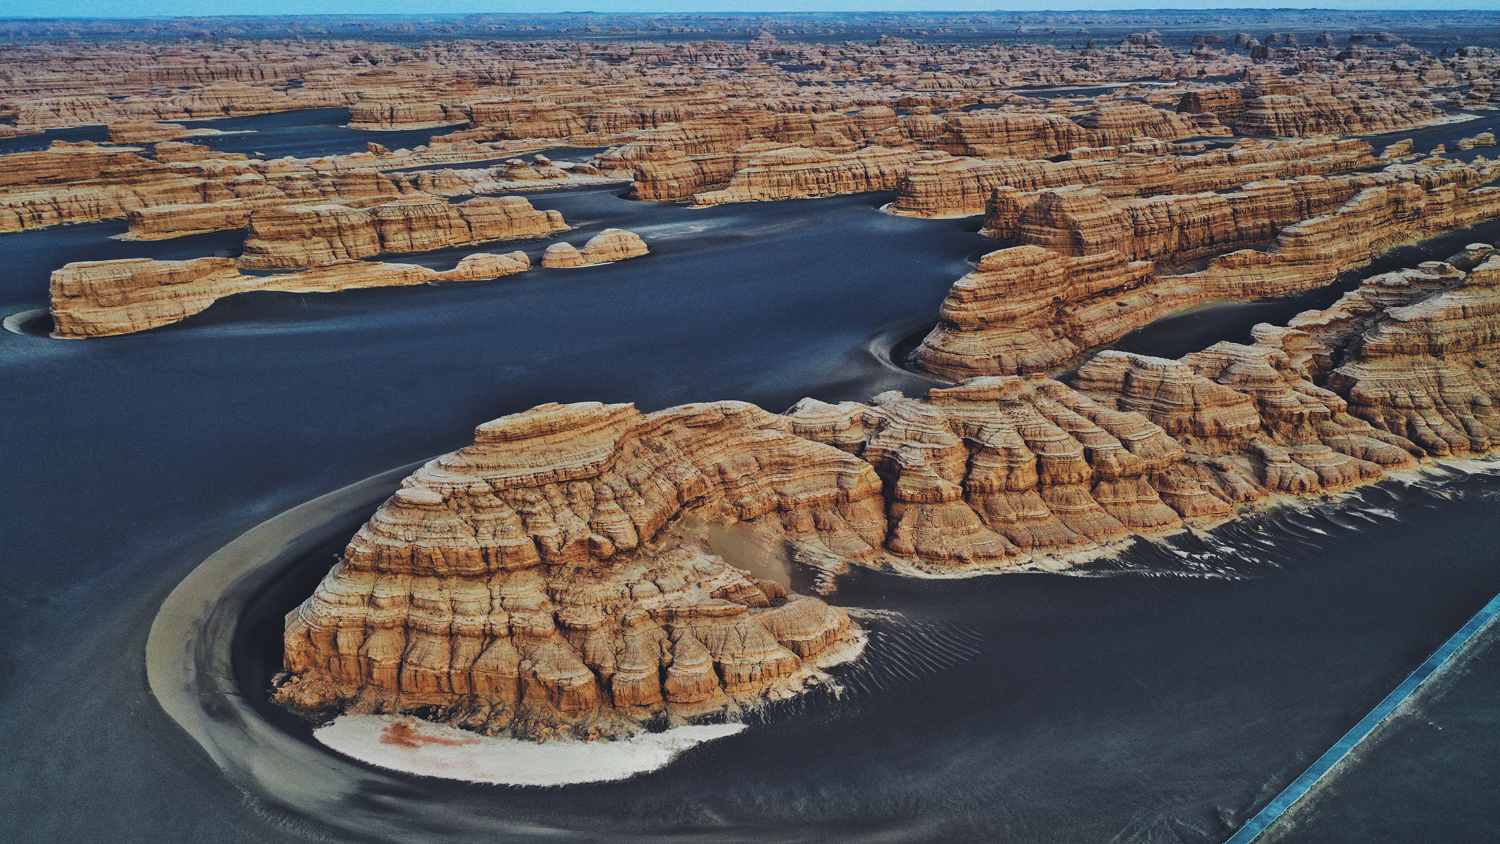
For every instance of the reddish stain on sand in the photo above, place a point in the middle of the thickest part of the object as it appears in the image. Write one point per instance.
(404, 734)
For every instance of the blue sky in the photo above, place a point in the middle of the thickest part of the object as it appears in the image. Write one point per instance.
(169, 8)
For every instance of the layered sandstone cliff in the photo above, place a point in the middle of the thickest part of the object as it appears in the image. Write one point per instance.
(962, 186)
(1174, 228)
(748, 154)
(541, 579)
(296, 236)
(558, 575)
(103, 298)
(604, 247)
(1032, 309)
(799, 173)
(1297, 109)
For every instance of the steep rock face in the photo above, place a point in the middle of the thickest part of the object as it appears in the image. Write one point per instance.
(795, 172)
(1081, 221)
(1225, 103)
(1120, 123)
(997, 134)
(103, 298)
(1030, 309)
(527, 119)
(1248, 405)
(1293, 110)
(748, 154)
(163, 222)
(232, 195)
(999, 471)
(146, 132)
(1017, 312)
(669, 175)
(390, 115)
(97, 298)
(1430, 371)
(297, 236)
(961, 187)
(1011, 134)
(1399, 370)
(514, 175)
(604, 247)
(1375, 220)
(69, 183)
(536, 578)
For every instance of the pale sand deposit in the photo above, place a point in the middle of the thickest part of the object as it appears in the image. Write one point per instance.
(414, 746)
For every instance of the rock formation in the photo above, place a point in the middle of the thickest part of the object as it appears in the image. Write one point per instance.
(1173, 228)
(1031, 309)
(555, 575)
(102, 298)
(1297, 109)
(604, 247)
(797, 173)
(962, 186)
(1426, 371)
(150, 132)
(542, 579)
(1227, 104)
(296, 236)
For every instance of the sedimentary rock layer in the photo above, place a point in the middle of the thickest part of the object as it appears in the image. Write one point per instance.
(798, 173)
(1173, 228)
(297, 236)
(557, 574)
(604, 247)
(962, 186)
(1031, 309)
(102, 298)
(537, 578)
(1277, 106)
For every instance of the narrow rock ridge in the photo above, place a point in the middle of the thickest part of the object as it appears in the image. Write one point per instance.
(187, 188)
(1274, 105)
(103, 298)
(1030, 309)
(1174, 228)
(555, 575)
(747, 154)
(299, 236)
(960, 187)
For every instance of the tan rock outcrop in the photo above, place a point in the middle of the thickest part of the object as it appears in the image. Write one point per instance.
(1172, 229)
(103, 298)
(963, 186)
(604, 247)
(69, 183)
(797, 173)
(1288, 109)
(387, 115)
(1227, 104)
(1010, 134)
(542, 578)
(1017, 312)
(298, 236)
(149, 132)
(1430, 371)
(1030, 309)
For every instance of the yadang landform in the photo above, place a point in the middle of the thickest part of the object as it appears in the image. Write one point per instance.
(567, 572)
